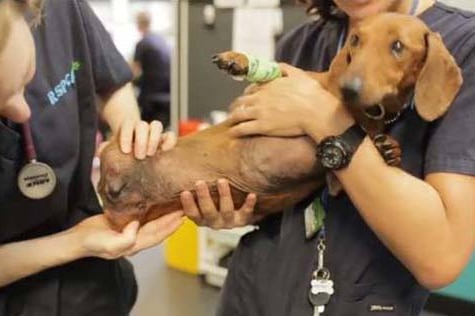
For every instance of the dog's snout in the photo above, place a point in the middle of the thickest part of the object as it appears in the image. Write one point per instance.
(351, 89)
(114, 182)
(114, 188)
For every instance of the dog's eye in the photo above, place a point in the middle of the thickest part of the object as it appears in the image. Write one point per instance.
(397, 48)
(142, 206)
(354, 40)
(348, 59)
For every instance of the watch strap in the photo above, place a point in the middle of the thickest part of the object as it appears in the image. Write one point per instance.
(353, 137)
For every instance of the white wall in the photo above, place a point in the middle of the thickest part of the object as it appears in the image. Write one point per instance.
(118, 16)
(465, 4)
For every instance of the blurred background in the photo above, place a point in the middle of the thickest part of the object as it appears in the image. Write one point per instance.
(169, 45)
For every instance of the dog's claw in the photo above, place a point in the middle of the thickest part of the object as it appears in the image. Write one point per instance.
(234, 64)
(394, 162)
(389, 149)
(380, 138)
(215, 59)
(388, 153)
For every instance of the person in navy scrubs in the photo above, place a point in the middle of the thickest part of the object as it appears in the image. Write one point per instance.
(396, 233)
(152, 68)
(58, 255)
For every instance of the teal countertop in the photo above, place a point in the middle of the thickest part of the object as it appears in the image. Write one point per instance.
(464, 287)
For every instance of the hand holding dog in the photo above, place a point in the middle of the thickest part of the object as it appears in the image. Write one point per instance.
(291, 106)
(143, 138)
(223, 216)
(95, 237)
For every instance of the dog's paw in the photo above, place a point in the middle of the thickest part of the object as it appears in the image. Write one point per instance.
(234, 64)
(389, 149)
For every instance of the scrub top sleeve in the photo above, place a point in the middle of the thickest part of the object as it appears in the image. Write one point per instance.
(138, 53)
(110, 69)
(451, 146)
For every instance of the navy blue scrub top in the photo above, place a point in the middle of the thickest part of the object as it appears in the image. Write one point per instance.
(271, 270)
(75, 60)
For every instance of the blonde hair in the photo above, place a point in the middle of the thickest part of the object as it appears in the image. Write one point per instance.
(13, 9)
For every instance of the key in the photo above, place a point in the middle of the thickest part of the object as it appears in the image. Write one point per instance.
(318, 310)
(321, 287)
(319, 299)
(320, 292)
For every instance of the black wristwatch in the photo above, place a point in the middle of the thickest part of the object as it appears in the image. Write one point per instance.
(335, 152)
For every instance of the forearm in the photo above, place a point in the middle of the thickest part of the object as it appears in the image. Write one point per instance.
(136, 69)
(408, 215)
(427, 225)
(120, 106)
(25, 258)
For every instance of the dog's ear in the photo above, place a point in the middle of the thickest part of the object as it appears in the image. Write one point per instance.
(439, 80)
(339, 63)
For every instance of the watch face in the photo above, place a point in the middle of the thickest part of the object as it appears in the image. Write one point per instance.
(332, 157)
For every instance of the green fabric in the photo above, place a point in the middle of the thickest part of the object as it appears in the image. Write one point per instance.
(261, 70)
(319, 212)
(314, 218)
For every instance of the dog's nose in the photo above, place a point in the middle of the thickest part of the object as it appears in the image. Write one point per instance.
(114, 188)
(351, 89)
(114, 183)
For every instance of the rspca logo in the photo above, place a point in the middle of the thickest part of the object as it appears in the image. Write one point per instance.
(65, 85)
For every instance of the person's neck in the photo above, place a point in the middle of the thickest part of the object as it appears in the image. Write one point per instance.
(145, 32)
(404, 7)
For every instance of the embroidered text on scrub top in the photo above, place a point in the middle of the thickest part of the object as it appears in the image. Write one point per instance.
(65, 85)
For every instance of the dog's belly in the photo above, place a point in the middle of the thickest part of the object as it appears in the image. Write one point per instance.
(270, 164)
(281, 171)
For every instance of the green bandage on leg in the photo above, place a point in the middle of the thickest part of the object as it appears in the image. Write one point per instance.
(261, 70)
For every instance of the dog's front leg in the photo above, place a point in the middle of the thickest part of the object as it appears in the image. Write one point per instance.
(233, 63)
(389, 149)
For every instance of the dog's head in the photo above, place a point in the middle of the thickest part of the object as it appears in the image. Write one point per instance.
(127, 186)
(386, 59)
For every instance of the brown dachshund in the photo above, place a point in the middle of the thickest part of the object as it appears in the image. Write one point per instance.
(376, 92)
(375, 75)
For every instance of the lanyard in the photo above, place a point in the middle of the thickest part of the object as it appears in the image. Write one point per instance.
(28, 144)
(36, 180)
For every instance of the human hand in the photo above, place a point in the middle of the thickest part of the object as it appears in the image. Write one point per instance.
(287, 107)
(144, 138)
(97, 239)
(206, 213)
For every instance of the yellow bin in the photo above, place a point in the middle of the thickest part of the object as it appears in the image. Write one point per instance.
(181, 249)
